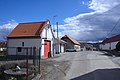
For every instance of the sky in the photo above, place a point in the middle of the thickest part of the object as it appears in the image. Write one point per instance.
(83, 20)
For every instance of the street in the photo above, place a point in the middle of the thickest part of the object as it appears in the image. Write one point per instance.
(90, 65)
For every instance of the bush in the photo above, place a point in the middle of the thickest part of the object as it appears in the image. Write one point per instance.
(118, 46)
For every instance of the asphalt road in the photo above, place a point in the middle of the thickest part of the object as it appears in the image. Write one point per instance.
(90, 65)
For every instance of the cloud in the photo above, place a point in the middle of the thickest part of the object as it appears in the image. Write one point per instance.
(83, 3)
(6, 28)
(103, 5)
(96, 25)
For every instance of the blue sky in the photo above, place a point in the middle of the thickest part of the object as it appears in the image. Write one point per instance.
(39, 10)
(83, 20)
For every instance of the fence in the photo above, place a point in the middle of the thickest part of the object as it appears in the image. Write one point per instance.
(30, 55)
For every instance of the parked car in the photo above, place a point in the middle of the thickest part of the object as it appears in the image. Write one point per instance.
(70, 50)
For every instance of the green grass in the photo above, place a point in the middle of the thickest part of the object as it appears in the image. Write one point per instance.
(2, 53)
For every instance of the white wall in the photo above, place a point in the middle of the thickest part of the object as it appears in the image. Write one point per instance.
(59, 46)
(14, 43)
(62, 48)
(113, 45)
(49, 37)
(77, 47)
(56, 46)
(100, 46)
(108, 46)
(83, 49)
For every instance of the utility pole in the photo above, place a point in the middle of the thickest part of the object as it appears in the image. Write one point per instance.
(54, 22)
(53, 33)
(57, 29)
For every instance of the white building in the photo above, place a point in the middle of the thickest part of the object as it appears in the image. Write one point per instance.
(31, 35)
(110, 43)
(59, 45)
(71, 43)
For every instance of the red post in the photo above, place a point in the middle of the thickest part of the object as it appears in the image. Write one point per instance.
(39, 58)
(34, 53)
(26, 63)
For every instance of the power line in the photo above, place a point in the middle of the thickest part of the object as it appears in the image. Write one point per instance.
(114, 27)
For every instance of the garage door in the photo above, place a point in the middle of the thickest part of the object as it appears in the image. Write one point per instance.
(47, 48)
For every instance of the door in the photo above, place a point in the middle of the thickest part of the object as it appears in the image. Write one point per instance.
(47, 48)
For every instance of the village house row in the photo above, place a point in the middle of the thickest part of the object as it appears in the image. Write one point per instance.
(40, 36)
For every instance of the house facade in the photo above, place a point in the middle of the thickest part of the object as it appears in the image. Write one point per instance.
(110, 43)
(82, 46)
(36, 36)
(71, 43)
(87, 46)
(59, 45)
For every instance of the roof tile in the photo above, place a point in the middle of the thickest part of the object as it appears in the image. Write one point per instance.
(73, 40)
(27, 29)
(112, 39)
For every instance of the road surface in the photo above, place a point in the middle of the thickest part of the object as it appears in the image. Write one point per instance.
(90, 65)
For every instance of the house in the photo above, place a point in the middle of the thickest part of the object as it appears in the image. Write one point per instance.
(110, 43)
(71, 43)
(3, 46)
(83, 46)
(59, 45)
(35, 36)
(86, 46)
(89, 46)
(96, 46)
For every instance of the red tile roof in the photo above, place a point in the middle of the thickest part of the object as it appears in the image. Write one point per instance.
(112, 39)
(28, 29)
(71, 39)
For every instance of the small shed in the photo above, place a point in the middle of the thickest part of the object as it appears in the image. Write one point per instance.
(59, 45)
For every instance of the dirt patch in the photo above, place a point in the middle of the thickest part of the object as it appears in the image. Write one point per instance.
(54, 70)
(49, 69)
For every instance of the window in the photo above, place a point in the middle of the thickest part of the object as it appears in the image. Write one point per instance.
(19, 49)
(23, 44)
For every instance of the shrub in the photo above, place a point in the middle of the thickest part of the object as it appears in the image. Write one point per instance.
(118, 46)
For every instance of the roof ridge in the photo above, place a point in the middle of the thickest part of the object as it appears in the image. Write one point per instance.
(72, 39)
(112, 39)
(32, 22)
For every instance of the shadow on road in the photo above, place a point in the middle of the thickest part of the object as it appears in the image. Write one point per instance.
(106, 53)
(111, 53)
(101, 74)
